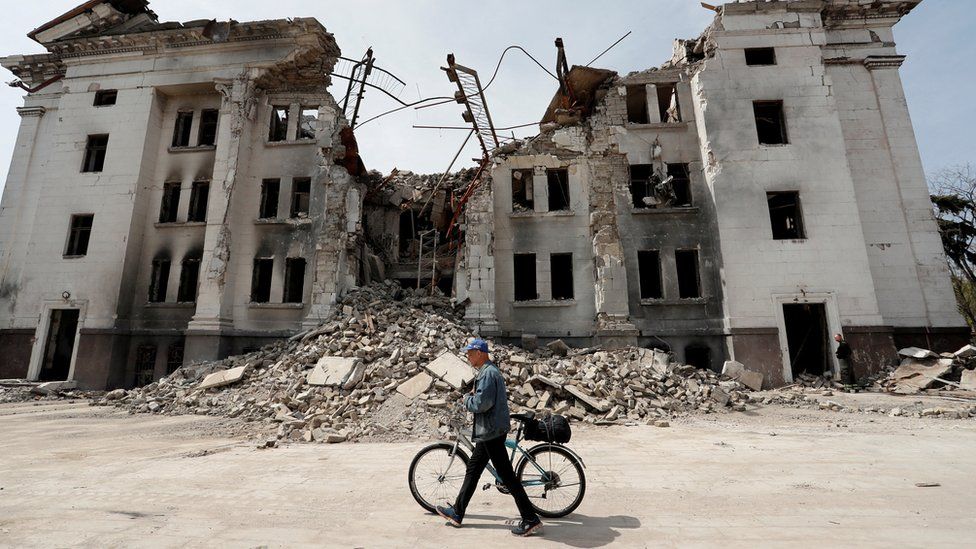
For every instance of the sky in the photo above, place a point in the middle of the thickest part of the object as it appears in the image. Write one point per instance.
(411, 39)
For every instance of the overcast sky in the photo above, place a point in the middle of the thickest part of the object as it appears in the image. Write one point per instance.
(412, 39)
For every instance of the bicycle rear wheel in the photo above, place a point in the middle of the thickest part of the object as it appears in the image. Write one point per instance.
(434, 477)
(553, 480)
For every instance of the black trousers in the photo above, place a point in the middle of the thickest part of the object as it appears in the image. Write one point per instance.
(494, 450)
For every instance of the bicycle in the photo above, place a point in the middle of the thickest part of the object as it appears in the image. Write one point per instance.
(551, 473)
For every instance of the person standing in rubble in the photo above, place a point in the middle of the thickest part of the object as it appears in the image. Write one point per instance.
(488, 401)
(843, 354)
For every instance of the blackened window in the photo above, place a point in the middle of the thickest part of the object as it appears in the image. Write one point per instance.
(680, 184)
(279, 124)
(785, 215)
(294, 280)
(199, 197)
(558, 189)
(524, 268)
(269, 198)
(641, 186)
(79, 235)
(95, 151)
(649, 270)
(522, 190)
(170, 204)
(300, 191)
(106, 98)
(174, 358)
(307, 122)
(770, 122)
(159, 280)
(760, 56)
(181, 132)
(208, 127)
(145, 370)
(189, 278)
(667, 103)
(689, 283)
(561, 271)
(261, 280)
(637, 104)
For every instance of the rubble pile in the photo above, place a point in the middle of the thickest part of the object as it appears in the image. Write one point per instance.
(383, 367)
(921, 370)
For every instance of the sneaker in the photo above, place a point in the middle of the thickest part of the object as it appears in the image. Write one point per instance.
(527, 527)
(448, 512)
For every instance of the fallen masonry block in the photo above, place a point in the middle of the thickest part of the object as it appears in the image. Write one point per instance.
(968, 380)
(737, 371)
(223, 377)
(966, 352)
(54, 387)
(545, 381)
(558, 348)
(720, 396)
(915, 352)
(913, 376)
(450, 368)
(333, 371)
(601, 406)
(415, 386)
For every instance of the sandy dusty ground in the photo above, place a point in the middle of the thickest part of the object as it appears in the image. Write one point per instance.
(72, 475)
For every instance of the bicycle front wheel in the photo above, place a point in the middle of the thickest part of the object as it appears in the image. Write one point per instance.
(553, 479)
(436, 474)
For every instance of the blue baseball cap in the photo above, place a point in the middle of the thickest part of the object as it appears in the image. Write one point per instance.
(476, 345)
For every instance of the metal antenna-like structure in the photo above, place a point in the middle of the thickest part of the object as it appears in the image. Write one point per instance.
(362, 74)
(472, 96)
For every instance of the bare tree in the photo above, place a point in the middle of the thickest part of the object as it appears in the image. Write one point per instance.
(954, 201)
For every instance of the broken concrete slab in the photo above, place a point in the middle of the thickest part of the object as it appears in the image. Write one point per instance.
(599, 405)
(332, 371)
(720, 396)
(737, 371)
(223, 377)
(915, 352)
(968, 351)
(415, 386)
(913, 375)
(558, 348)
(968, 380)
(53, 387)
(732, 368)
(452, 369)
(545, 381)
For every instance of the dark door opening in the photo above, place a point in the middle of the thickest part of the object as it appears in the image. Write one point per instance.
(807, 338)
(698, 356)
(60, 345)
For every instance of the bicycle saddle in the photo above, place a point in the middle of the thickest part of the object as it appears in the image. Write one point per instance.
(527, 416)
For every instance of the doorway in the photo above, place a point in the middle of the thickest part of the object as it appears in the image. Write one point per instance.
(807, 338)
(60, 345)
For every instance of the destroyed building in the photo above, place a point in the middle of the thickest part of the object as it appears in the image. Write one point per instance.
(757, 193)
(178, 191)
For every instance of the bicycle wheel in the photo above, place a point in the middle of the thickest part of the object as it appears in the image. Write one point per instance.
(553, 480)
(434, 477)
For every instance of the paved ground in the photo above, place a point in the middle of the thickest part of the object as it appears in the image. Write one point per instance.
(71, 475)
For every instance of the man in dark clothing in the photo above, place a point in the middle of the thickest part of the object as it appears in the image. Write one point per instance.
(844, 359)
(488, 402)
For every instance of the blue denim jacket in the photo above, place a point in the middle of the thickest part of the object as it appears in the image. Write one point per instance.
(489, 404)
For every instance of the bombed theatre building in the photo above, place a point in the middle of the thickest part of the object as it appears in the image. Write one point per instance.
(185, 191)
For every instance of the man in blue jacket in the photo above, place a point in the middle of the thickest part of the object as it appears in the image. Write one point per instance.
(489, 404)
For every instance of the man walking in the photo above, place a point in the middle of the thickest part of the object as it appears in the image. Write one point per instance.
(488, 402)
(843, 354)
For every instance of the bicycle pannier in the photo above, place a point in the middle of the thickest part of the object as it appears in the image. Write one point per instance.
(549, 429)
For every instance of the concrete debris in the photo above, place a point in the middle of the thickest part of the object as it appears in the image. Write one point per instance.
(450, 368)
(558, 348)
(915, 352)
(967, 381)
(53, 387)
(914, 375)
(222, 378)
(737, 371)
(968, 351)
(415, 386)
(334, 371)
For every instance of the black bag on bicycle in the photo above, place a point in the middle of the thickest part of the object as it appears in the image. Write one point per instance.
(551, 428)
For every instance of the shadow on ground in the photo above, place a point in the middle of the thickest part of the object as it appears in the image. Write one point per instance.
(575, 530)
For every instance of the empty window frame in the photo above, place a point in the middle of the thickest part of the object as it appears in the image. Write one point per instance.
(667, 102)
(189, 279)
(199, 197)
(301, 188)
(159, 280)
(294, 280)
(307, 122)
(79, 234)
(181, 131)
(522, 190)
(558, 189)
(269, 198)
(209, 118)
(145, 370)
(640, 185)
(174, 357)
(770, 122)
(689, 281)
(561, 272)
(681, 185)
(649, 271)
(279, 123)
(785, 215)
(524, 277)
(760, 56)
(170, 205)
(261, 280)
(637, 104)
(95, 150)
(106, 98)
